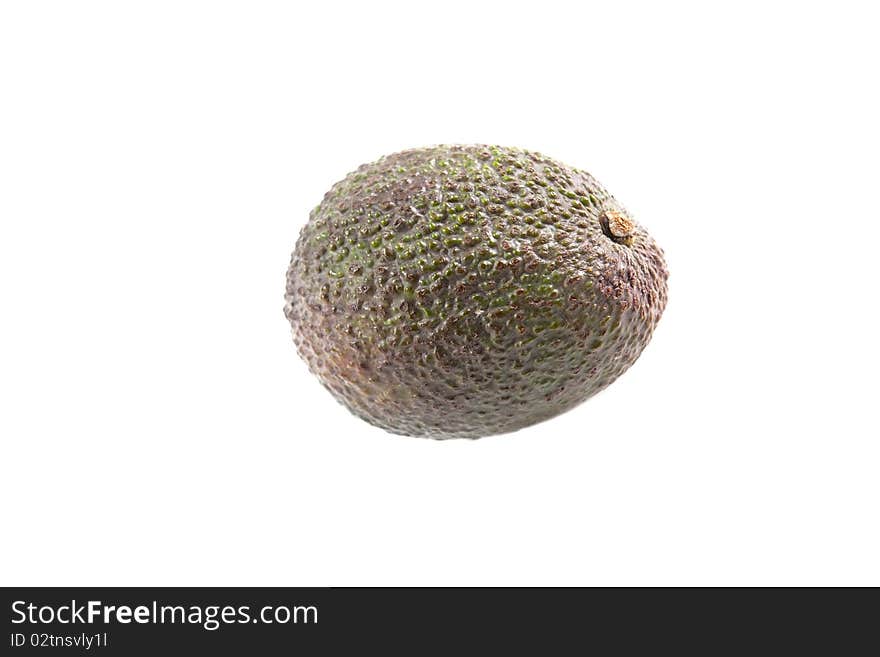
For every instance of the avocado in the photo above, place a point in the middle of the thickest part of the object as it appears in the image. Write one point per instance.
(464, 291)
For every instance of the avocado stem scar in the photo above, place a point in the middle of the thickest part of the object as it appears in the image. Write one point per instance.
(617, 226)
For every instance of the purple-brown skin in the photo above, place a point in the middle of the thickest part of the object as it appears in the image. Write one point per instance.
(464, 291)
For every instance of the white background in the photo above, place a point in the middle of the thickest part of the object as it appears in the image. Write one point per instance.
(157, 161)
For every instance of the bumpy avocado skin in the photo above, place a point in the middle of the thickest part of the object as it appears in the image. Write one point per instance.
(464, 291)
